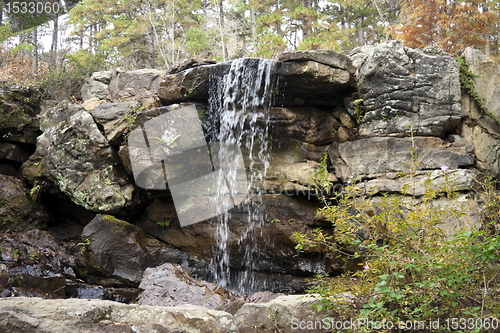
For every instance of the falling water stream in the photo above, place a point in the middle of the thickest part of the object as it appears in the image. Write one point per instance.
(238, 113)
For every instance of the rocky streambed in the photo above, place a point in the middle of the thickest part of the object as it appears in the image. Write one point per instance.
(77, 222)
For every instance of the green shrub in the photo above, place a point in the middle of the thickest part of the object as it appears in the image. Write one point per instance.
(412, 270)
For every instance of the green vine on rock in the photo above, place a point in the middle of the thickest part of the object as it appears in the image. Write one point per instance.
(467, 84)
(359, 110)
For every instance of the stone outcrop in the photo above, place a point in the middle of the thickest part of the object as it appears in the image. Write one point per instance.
(116, 253)
(402, 86)
(383, 155)
(60, 316)
(284, 314)
(479, 129)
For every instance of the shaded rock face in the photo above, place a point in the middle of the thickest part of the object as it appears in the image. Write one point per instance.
(284, 215)
(80, 162)
(118, 252)
(17, 210)
(478, 128)
(305, 124)
(171, 284)
(400, 86)
(18, 111)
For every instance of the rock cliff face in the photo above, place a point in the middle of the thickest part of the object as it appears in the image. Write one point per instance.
(78, 163)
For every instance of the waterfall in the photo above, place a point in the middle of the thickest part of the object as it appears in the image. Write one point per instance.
(239, 102)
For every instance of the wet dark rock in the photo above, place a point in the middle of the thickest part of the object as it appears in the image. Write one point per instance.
(57, 114)
(284, 215)
(52, 286)
(400, 86)
(171, 285)
(35, 264)
(86, 291)
(305, 124)
(13, 152)
(116, 253)
(17, 210)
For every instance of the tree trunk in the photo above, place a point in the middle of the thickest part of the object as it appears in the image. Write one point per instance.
(35, 52)
(253, 18)
(134, 59)
(305, 28)
(486, 37)
(53, 47)
(151, 46)
(81, 40)
(361, 31)
(221, 27)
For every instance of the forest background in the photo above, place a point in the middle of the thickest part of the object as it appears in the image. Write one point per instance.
(132, 34)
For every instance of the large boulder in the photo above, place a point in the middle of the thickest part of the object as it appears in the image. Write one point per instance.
(190, 84)
(171, 285)
(35, 263)
(18, 210)
(35, 315)
(77, 158)
(285, 314)
(139, 84)
(402, 86)
(117, 252)
(377, 156)
(57, 114)
(480, 129)
(115, 118)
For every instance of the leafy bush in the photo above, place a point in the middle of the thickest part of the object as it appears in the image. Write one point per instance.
(413, 270)
(67, 82)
